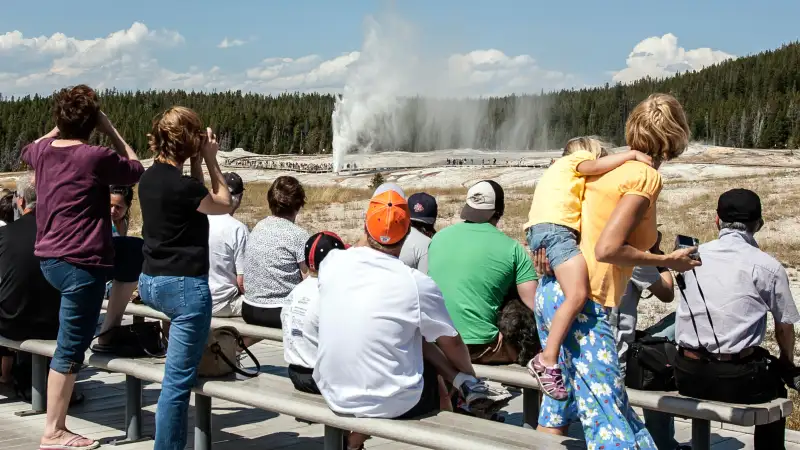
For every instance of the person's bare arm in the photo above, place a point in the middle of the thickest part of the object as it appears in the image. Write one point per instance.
(612, 246)
(456, 352)
(218, 201)
(196, 164)
(52, 134)
(303, 270)
(527, 293)
(600, 166)
(664, 289)
(240, 283)
(106, 127)
(784, 334)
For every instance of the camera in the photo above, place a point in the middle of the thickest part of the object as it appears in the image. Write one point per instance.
(682, 241)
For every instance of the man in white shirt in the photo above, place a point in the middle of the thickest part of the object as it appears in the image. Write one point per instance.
(227, 238)
(376, 316)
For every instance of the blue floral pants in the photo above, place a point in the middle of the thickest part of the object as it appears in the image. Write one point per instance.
(591, 371)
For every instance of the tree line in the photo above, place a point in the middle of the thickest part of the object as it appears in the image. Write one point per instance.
(748, 102)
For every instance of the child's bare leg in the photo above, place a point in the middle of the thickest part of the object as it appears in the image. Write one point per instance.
(573, 276)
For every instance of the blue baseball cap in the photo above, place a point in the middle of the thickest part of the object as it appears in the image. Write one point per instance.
(423, 208)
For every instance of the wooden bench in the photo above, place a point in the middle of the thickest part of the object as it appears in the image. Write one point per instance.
(444, 430)
(702, 412)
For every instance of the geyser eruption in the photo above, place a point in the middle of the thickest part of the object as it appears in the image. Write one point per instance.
(401, 95)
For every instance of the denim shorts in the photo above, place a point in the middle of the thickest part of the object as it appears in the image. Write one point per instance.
(559, 242)
(81, 291)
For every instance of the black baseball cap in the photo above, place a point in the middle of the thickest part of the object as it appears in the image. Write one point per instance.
(234, 182)
(319, 245)
(423, 208)
(739, 205)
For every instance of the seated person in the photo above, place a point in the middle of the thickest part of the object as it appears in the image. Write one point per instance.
(227, 238)
(128, 260)
(423, 217)
(300, 318)
(376, 315)
(274, 256)
(722, 319)
(29, 305)
(476, 265)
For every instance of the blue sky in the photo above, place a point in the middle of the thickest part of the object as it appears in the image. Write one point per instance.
(584, 41)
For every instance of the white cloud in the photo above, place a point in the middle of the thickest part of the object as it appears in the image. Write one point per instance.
(42, 64)
(128, 59)
(228, 43)
(659, 57)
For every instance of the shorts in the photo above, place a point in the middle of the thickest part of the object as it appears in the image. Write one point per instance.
(265, 317)
(302, 379)
(498, 351)
(232, 308)
(429, 399)
(560, 242)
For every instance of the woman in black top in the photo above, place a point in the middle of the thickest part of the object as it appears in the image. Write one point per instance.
(174, 276)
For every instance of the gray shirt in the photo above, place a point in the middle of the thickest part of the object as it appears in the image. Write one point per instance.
(624, 317)
(275, 250)
(415, 251)
(740, 284)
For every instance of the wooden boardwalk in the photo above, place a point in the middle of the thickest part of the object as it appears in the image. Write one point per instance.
(238, 427)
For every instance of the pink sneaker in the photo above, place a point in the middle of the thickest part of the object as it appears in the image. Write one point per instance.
(550, 378)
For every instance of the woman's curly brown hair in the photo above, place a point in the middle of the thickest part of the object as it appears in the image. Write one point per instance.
(286, 196)
(177, 135)
(76, 111)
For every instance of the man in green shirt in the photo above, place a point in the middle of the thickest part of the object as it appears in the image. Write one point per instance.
(475, 265)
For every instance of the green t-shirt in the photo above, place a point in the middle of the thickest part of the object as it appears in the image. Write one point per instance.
(475, 266)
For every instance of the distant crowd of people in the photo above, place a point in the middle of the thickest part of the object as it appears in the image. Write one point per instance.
(390, 326)
(274, 164)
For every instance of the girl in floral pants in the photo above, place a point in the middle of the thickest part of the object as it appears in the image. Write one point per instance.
(592, 376)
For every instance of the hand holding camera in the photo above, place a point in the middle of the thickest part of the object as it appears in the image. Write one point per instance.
(685, 257)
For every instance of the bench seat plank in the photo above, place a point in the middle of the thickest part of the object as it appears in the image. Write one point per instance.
(514, 375)
(669, 402)
(274, 393)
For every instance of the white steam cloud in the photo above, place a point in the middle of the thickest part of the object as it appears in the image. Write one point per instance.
(401, 95)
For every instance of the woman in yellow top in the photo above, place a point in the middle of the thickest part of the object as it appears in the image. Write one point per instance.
(617, 226)
(554, 225)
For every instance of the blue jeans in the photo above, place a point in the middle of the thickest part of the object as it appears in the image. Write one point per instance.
(187, 303)
(559, 242)
(82, 291)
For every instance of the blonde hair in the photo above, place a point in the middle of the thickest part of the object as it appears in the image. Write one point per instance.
(587, 144)
(658, 127)
(177, 135)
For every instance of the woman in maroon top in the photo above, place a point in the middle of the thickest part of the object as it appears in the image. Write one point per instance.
(73, 237)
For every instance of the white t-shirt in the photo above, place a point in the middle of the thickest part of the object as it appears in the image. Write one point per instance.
(300, 319)
(373, 314)
(227, 238)
(415, 250)
(275, 249)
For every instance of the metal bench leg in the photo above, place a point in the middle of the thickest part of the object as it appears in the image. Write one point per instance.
(133, 412)
(38, 387)
(701, 434)
(334, 438)
(530, 408)
(202, 422)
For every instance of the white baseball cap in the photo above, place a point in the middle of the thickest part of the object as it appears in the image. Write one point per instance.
(484, 199)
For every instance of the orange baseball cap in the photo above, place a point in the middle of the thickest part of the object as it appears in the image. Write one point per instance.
(388, 217)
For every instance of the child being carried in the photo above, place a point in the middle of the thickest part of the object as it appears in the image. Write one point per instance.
(554, 225)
